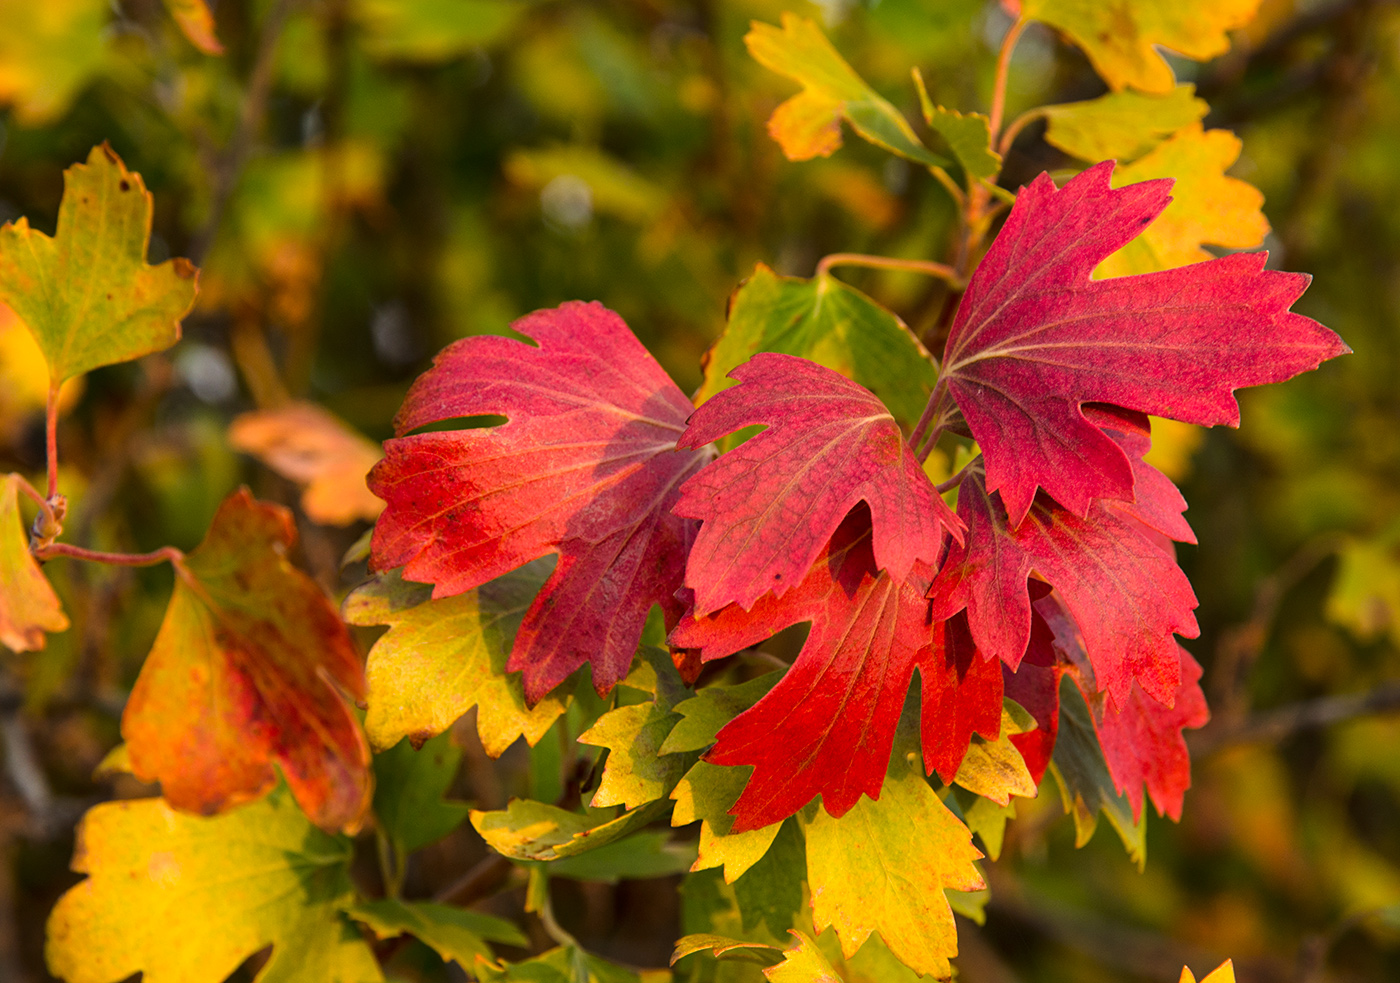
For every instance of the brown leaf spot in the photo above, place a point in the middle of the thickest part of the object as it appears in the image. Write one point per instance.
(125, 186)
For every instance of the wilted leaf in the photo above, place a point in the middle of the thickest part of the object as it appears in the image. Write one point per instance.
(245, 679)
(409, 786)
(883, 866)
(1206, 206)
(307, 444)
(453, 933)
(832, 324)
(197, 23)
(182, 899)
(718, 945)
(87, 293)
(1121, 38)
(769, 506)
(1035, 339)
(809, 124)
(48, 52)
(441, 658)
(28, 605)
(803, 962)
(585, 467)
(1121, 126)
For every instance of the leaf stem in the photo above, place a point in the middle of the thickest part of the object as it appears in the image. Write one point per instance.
(925, 266)
(166, 554)
(1008, 44)
(391, 867)
(1014, 128)
(926, 420)
(47, 525)
(51, 437)
(953, 482)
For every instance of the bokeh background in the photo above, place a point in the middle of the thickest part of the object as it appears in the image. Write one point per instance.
(363, 181)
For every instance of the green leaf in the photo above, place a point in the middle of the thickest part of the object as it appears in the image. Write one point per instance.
(883, 867)
(834, 325)
(650, 853)
(995, 769)
(1365, 596)
(453, 933)
(707, 793)
(87, 294)
(1085, 784)
(527, 830)
(809, 124)
(1121, 126)
(408, 792)
(802, 963)
(710, 709)
(969, 135)
(440, 658)
(770, 892)
(1122, 39)
(184, 899)
(566, 964)
(987, 820)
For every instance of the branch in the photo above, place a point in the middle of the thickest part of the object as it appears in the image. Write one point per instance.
(1270, 726)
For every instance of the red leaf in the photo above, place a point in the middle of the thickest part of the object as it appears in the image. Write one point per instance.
(1123, 590)
(961, 696)
(585, 467)
(828, 726)
(770, 506)
(1035, 339)
(1143, 742)
(244, 674)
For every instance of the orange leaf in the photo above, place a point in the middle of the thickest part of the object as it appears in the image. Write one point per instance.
(197, 23)
(28, 605)
(312, 447)
(244, 675)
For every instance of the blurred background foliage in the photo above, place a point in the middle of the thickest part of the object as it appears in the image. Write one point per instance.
(363, 181)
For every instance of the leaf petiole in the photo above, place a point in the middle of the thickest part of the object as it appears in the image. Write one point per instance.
(166, 554)
(927, 267)
(51, 436)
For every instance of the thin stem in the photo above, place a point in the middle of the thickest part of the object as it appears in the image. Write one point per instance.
(45, 507)
(51, 437)
(389, 871)
(932, 442)
(1015, 127)
(166, 554)
(951, 483)
(925, 266)
(1008, 44)
(926, 420)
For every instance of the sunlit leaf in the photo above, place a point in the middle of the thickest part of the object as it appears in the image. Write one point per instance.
(28, 605)
(197, 23)
(48, 52)
(526, 830)
(453, 933)
(1121, 126)
(803, 962)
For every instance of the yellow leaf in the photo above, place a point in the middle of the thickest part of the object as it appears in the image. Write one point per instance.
(883, 867)
(440, 658)
(802, 962)
(1121, 126)
(1173, 445)
(24, 378)
(995, 769)
(87, 294)
(1207, 206)
(314, 448)
(28, 605)
(1224, 973)
(48, 51)
(196, 23)
(1120, 36)
(809, 124)
(184, 899)
(707, 793)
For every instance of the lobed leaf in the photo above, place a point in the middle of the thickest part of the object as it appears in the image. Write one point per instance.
(453, 933)
(441, 658)
(183, 899)
(1121, 126)
(245, 679)
(968, 135)
(586, 466)
(409, 785)
(527, 830)
(769, 507)
(809, 124)
(1035, 339)
(87, 293)
(802, 962)
(28, 605)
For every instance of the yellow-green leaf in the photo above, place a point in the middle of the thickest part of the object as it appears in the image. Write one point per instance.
(526, 830)
(995, 769)
(809, 124)
(707, 793)
(824, 320)
(987, 820)
(87, 294)
(28, 605)
(1121, 36)
(635, 772)
(196, 22)
(431, 31)
(1121, 126)
(969, 135)
(184, 899)
(1365, 597)
(453, 933)
(1207, 206)
(802, 962)
(717, 945)
(883, 867)
(440, 658)
(49, 49)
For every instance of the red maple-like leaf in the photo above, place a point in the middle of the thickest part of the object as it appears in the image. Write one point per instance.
(1142, 744)
(1121, 586)
(586, 467)
(961, 695)
(771, 505)
(1035, 339)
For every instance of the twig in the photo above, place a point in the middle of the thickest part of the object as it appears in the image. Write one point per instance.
(166, 554)
(1274, 725)
(480, 881)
